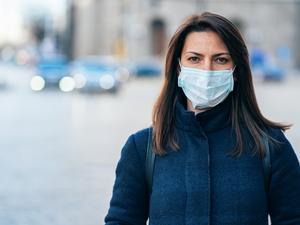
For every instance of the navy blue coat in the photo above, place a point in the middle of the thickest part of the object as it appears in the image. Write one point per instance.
(201, 184)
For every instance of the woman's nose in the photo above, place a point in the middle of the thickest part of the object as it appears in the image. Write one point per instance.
(207, 64)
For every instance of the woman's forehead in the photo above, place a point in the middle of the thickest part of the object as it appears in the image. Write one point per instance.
(204, 42)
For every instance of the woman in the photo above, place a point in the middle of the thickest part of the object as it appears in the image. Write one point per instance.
(209, 139)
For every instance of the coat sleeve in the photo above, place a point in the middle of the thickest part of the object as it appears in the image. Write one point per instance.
(129, 202)
(285, 184)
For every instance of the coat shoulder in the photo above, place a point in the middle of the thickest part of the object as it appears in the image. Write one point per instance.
(279, 138)
(276, 133)
(140, 138)
(282, 148)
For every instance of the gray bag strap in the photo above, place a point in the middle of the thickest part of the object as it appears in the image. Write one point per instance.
(150, 161)
(267, 164)
(150, 158)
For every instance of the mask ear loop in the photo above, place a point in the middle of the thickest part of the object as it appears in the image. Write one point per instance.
(233, 69)
(180, 66)
(179, 62)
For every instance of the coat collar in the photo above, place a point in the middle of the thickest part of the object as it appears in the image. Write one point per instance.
(211, 120)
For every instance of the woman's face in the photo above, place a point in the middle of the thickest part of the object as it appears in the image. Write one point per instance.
(205, 50)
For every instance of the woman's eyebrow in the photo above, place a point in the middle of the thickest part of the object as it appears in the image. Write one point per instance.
(215, 55)
(191, 52)
(219, 54)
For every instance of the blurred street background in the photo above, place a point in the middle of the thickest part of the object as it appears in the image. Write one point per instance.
(77, 77)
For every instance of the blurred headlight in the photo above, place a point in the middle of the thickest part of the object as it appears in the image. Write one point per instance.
(67, 84)
(107, 81)
(37, 83)
(80, 80)
(122, 74)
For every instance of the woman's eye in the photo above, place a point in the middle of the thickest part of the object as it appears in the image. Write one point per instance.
(194, 59)
(221, 60)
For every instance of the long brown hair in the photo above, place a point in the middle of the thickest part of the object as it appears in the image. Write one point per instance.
(245, 110)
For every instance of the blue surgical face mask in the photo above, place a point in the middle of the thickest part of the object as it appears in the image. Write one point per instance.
(205, 88)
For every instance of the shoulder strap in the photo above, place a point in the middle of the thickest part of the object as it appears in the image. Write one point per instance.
(150, 159)
(267, 164)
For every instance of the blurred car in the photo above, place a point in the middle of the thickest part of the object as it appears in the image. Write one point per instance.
(273, 72)
(52, 72)
(2, 83)
(147, 67)
(265, 66)
(98, 74)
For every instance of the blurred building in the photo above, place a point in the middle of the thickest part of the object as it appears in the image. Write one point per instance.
(138, 28)
(31, 27)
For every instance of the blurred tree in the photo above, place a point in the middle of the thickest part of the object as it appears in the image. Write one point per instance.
(297, 38)
(38, 29)
(158, 33)
(68, 42)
